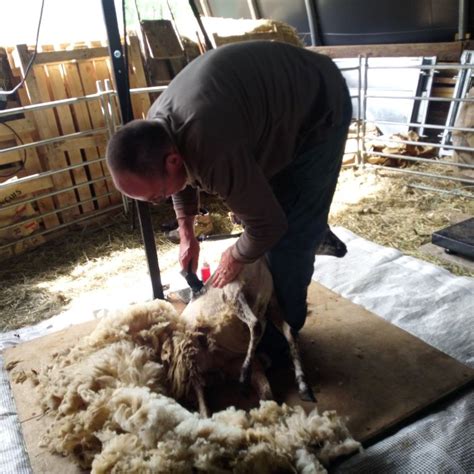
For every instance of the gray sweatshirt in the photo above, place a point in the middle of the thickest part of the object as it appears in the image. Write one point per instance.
(238, 115)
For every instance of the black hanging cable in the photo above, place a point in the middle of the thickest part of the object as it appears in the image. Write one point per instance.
(32, 60)
(23, 162)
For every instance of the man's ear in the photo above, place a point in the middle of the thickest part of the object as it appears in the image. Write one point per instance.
(173, 163)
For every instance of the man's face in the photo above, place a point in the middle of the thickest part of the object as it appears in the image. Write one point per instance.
(147, 188)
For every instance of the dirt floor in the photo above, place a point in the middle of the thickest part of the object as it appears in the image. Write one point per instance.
(378, 205)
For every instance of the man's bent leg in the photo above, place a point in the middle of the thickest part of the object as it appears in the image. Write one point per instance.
(305, 190)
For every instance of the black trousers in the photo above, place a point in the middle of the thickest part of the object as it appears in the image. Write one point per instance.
(305, 190)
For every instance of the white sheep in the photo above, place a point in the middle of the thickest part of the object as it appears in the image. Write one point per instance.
(224, 326)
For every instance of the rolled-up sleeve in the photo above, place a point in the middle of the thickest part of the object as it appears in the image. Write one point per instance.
(186, 202)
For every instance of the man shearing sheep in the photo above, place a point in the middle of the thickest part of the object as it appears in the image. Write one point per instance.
(262, 125)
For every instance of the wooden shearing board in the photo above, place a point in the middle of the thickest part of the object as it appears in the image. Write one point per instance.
(363, 367)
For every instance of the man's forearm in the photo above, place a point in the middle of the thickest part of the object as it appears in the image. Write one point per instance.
(186, 227)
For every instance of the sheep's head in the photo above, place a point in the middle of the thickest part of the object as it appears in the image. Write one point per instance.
(186, 358)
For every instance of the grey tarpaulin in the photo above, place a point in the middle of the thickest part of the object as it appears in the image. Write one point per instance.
(421, 298)
(13, 458)
(437, 307)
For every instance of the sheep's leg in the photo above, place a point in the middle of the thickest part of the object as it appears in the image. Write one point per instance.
(260, 381)
(304, 389)
(199, 390)
(245, 314)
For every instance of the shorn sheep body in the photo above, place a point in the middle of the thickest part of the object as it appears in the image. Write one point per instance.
(227, 324)
(113, 409)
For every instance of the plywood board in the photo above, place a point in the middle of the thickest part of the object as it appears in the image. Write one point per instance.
(358, 364)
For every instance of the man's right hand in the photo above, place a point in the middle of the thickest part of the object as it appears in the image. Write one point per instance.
(188, 244)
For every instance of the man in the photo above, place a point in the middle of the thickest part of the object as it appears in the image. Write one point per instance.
(261, 124)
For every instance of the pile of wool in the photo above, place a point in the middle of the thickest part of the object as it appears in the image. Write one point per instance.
(109, 397)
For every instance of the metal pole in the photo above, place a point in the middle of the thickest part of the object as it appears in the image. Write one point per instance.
(110, 99)
(254, 10)
(364, 110)
(359, 115)
(206, 8)
(201, 26)
(313, 22)
(121, 84)
(462, 21)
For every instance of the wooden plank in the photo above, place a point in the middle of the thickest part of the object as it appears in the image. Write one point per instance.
(17, 190)
(50, 57)
(443, 51)
(103, 73)
(32, 165)
(55, 158)
(20, 126)
(21, 247)
(82, 116)
(9, 158)
(102, 68)
(159, 71)
(38, 92)
(89, 76)
(82, 143)
(23, 216)
(165, 57)
(5, 71)
(58, 92)
(442, 92)
(140, 102)
(91, 72)
(161, 39)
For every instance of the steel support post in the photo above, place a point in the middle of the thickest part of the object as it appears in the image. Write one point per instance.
(123, 91)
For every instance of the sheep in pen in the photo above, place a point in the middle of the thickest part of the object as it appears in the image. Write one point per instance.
(115, 405)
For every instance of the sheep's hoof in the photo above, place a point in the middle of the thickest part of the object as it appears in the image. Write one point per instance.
(307, 395)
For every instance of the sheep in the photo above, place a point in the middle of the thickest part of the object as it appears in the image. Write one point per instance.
(214, 321)
(224, 326)
(109, 406)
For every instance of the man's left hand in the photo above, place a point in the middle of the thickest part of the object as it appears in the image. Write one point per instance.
(228, 269)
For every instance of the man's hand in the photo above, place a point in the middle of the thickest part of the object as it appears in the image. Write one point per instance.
(228, 269)
(188, 244)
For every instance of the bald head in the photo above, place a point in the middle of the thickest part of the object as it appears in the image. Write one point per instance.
(139, 148)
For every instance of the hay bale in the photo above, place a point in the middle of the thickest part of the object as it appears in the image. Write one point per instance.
(229, 30)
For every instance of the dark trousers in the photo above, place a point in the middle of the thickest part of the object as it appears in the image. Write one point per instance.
(305, 190)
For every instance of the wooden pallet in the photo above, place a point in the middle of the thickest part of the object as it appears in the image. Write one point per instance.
(32, 166)
(164, 54)
(69, 72)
